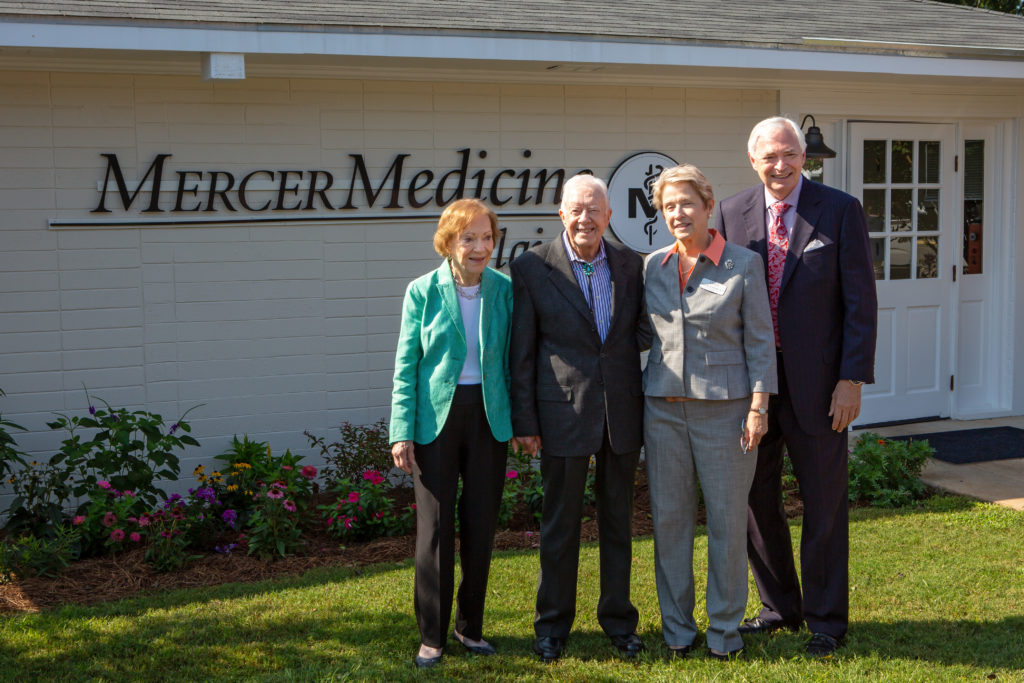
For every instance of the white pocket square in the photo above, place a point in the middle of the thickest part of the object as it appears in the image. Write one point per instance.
(814, 244)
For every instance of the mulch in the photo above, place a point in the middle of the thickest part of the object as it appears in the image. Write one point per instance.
(102, 579)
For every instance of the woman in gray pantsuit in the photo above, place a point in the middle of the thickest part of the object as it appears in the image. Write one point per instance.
(706, 386)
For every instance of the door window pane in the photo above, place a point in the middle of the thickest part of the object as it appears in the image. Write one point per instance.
(927, 209)
(974, 205)
(928, 161)
(874, 161)
(902, 161)
(899, 258)
(927, 257)
(874, 207)
(900, 210)
(878, 256)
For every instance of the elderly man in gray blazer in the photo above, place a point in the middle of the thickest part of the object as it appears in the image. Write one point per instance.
(706, 386)
(577, 327)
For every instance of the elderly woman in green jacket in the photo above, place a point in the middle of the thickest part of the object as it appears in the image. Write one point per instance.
(450, 418)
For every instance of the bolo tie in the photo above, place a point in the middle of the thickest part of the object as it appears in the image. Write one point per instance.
(588, 270)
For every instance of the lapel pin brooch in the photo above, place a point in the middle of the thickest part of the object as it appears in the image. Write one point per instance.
(729, 265)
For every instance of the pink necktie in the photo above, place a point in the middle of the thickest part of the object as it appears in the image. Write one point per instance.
(778, 245)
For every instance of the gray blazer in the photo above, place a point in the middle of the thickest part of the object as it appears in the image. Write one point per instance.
(716, 341)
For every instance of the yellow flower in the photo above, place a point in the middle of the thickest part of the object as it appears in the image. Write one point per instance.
(248, 493)
(198, 470)
(232, 487)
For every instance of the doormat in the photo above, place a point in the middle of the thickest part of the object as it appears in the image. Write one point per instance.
(974, 445)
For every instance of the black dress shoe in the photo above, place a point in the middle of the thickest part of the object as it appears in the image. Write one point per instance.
(679, 652)
(548, 649)
(822, 645)
(759, 625)
(724, 656)
(426, 662)
(485, 650)
(629, 646)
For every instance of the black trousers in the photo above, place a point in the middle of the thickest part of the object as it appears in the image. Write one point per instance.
(820, 465)
(467, 448)
(564, 480)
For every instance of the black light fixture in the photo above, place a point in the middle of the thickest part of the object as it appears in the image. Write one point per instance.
(816, 147)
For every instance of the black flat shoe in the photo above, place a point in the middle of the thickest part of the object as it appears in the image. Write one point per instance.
(482, 650)
(724, 656)
(427, 662)
(629, 645)
(759, 625)
(679, 652)
(548, 649)
(822, 645)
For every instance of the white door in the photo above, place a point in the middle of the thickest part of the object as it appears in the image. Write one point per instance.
(904, 176)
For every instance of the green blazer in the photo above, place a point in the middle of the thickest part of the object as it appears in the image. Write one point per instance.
(432, 350)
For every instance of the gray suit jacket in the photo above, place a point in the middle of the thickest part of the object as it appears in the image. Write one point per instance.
(715, 341)
(565, 381)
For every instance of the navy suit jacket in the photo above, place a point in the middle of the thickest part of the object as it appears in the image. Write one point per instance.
(828, 310)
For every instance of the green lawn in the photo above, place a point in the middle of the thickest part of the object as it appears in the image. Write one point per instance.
(937, 593)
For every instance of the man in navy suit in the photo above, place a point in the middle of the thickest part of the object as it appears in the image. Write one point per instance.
(814, 241)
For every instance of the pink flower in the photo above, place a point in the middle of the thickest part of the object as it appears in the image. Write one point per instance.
(309, 472)
(117, 535)
(289, 506)
(135, 537)
(373, 476)
(143, 521)
(412, 506)
(347, 521)
(109, 519)
(286, 467)
(353, 497)
(511, 474)
(127, 494)
(330, 521)
(379, 514)
(103, 484)
(274, 493)
(79, 520)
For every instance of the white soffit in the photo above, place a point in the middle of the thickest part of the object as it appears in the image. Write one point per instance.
(546, 50)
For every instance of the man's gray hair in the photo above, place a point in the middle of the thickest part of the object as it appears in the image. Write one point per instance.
(581, 180)
(771, 124)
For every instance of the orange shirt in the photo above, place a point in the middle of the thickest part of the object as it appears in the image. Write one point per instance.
(713, 252)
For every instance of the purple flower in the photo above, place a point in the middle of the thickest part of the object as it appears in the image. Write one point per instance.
(174, 428)
(289, 506)
(226, 549)
(275, 493)
(229, 517)
(92, 410)
(206, 493)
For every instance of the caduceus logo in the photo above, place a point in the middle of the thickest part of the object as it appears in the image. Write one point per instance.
(635, 221)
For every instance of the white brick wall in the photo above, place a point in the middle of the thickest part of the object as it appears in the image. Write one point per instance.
(275, 329)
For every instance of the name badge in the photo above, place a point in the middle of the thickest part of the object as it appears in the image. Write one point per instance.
(716, 287)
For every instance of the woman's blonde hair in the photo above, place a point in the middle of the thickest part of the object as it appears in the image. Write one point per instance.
(456, 217)
(684, 173)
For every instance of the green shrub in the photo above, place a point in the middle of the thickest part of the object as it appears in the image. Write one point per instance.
(26, 556)
(885, 472)
(361, 448)
(132, 451)
(364, 509)
(249, 466)
(11, 459)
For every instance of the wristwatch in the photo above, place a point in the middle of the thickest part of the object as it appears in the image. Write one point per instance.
(855, 382)
(759, 411)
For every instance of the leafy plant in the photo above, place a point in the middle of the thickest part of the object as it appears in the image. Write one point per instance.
(41, 492)
(110, 519)
(361, 448)
(273, 526)
(248, 465)
(364, 510)
(26, 556)
(11, 458)
(130, 450)
(885, 472)
(167, 530)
